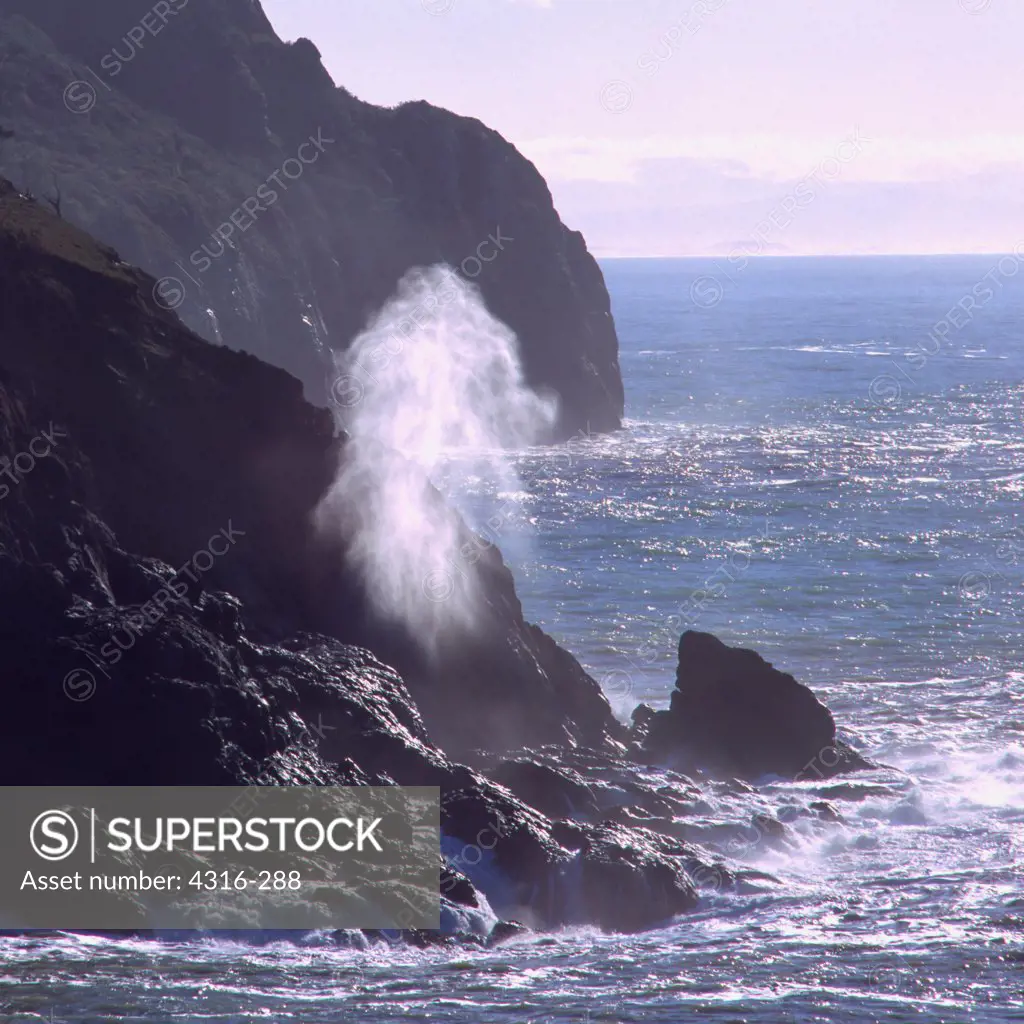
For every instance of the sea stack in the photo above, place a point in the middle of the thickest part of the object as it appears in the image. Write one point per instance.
(734, 713)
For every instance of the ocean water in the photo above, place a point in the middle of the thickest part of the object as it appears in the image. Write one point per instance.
(823, 462)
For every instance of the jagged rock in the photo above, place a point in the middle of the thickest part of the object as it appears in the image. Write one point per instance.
(566, 872)
(859, 791)
(622, 880)
(732, 712)
(557, 792)
(767, 830)
(172, 156)
(641, 720)
(569, 835)
(456, 887)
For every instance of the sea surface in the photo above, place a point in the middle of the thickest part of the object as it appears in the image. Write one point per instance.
(823, 462)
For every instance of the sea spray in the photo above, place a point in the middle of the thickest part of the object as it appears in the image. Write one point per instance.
(431, 391)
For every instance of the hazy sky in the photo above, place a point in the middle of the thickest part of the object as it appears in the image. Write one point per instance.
(695, 126)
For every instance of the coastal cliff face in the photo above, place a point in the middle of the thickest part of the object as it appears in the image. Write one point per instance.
(276, 209)
(188, 447)
(172, 616)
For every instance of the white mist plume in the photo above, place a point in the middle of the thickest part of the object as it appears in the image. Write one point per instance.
(433, 377)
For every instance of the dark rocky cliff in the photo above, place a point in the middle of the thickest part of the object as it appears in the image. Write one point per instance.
(179, 438)
(182, 136)
(169, 615)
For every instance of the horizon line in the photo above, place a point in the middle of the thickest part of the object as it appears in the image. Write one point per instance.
(805, 255)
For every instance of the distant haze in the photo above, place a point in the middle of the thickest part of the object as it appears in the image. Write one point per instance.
(676, 128)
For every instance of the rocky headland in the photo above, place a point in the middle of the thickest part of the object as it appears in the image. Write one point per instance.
(172, 615)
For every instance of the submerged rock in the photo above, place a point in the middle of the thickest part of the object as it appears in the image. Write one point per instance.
(826, 811)
(732, 712)
(504, 931)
